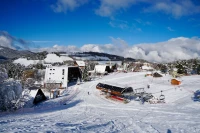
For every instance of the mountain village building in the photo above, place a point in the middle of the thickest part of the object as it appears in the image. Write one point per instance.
(61, 75)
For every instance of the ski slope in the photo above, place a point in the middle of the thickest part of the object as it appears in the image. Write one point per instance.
(76, 111)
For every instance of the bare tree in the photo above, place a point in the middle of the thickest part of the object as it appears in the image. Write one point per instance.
(50, 85)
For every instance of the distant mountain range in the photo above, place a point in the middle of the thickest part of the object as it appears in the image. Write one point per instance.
(7, 54)
(103, 55)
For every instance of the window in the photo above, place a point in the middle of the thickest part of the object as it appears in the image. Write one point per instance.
(63, 72)
(50, 69)
(53, 69)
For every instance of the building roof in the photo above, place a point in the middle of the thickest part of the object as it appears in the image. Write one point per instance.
(80, 63)
(115, 88)
(33, 93)
(38, 96)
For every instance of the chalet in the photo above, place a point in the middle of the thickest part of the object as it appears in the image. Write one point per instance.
(38, 96)
(61, 75)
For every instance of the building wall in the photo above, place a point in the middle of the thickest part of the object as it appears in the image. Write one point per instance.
(57, 75)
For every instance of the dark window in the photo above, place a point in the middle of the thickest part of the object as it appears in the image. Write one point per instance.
(63, 72)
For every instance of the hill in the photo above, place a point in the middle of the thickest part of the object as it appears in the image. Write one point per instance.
(99, 56)
(7, 53)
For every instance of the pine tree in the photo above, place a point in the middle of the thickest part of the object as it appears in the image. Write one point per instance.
(198, 69)
(181, 69)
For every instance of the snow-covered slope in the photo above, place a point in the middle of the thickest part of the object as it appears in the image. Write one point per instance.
(95, 113)
(25, 62)
(52, 58)
(66, 58)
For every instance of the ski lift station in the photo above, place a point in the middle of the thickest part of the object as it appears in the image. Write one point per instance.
(62, 75)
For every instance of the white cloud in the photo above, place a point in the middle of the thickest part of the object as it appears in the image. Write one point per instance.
(179, 8)
(173, 49)
(6, 42)
(170, 29)
(12, 42)
(118, 24)
(175, 8)
(91, 47)
(142, 22)
(109, 7)
(67, 5)
(45, 41)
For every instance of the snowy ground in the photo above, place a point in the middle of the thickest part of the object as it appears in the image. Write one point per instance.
(95, 113)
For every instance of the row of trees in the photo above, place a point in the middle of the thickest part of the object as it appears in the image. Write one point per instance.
(191, 66)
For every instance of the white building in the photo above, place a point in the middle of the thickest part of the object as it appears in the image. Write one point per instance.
(102, 69)
(61, 75)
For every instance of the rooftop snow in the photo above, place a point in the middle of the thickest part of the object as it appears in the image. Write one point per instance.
(80, 63)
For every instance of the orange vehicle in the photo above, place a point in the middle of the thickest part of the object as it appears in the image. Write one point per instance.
(175, 82)
(114, 90)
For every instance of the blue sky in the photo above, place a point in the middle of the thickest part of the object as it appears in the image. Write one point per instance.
(79, 22)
